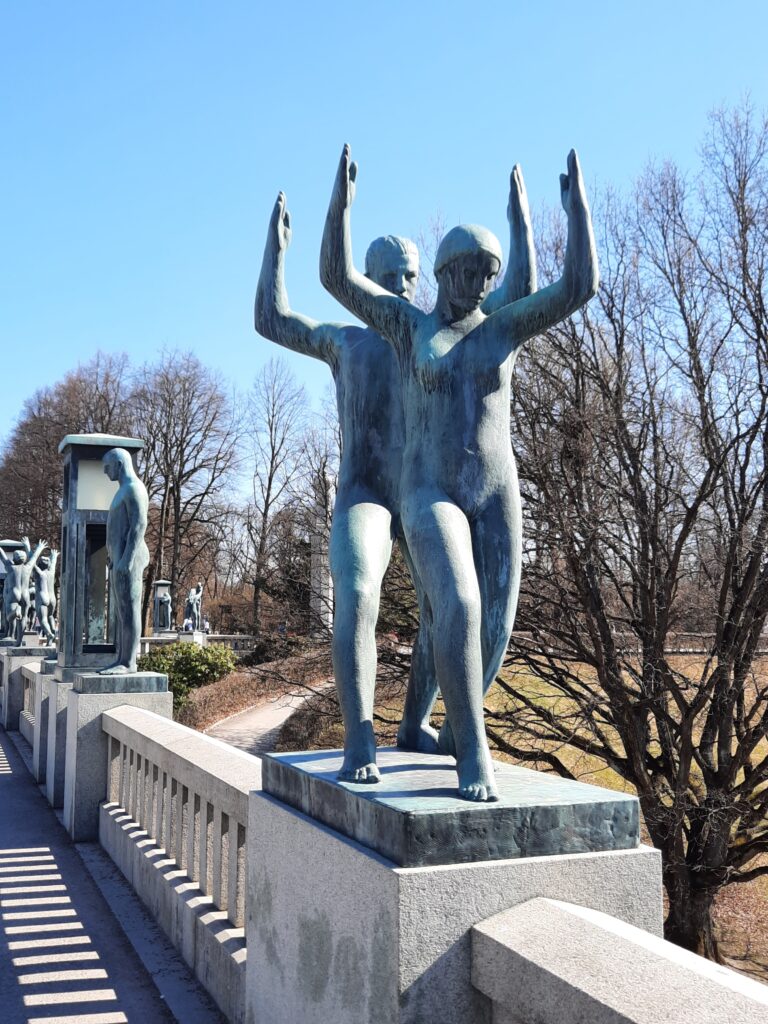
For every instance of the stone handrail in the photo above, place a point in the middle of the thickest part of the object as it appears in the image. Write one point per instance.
(189, 792)
(557, 963)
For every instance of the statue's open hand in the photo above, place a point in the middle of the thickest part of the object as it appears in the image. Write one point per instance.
(27, 545)
(280, 224)
(518, 211)
(346, 176)
(572, 193)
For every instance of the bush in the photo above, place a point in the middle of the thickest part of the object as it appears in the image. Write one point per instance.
(188, 666)
(272, 647)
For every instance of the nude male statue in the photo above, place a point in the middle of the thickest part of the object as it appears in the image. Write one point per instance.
(460, 496)
(19, 568)
(45, 595)
(127, 556)
(193, 609)
(366, 518)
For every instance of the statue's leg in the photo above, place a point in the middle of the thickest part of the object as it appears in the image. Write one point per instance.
(497, 550)
(415, 732)
(42, 615)
(127, 626)
(441, 546)
(360, 549)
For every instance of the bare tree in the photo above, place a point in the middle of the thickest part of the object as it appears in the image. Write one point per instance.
(641, 433)
(191, 430)
(277, 418)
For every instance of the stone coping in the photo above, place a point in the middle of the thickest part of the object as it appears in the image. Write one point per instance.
(415, 817)
(97, 440)
(131, 682)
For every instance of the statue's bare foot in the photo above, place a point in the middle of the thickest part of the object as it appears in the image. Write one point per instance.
(365, 774)
(476, 781)
(115, 670)
(446, 744)
(421, 738)
(360, 762)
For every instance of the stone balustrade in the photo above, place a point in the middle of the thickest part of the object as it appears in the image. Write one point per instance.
(175, 822)
(29, 701)
(557, 963)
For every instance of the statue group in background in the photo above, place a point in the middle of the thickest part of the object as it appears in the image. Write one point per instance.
(127, 557)
(450, 479)
(16, 592)
(193, 609)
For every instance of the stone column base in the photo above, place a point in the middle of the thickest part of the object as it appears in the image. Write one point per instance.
(335, 932)
(85, 773)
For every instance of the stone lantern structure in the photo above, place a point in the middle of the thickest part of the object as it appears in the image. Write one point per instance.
(161, 608)
(86, 615)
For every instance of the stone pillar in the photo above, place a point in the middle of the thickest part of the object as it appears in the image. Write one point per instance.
(337, 931)
(42, 719)
(320, 582)
(85, 773)
(58, 699)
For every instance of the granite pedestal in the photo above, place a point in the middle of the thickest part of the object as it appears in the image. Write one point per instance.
(40, 734)
(337, 932)
(85, 773)
(414, 816)
(56, 754)
(194, 636)
(12, 658)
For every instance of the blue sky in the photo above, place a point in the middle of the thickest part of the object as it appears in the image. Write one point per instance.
(143, 145)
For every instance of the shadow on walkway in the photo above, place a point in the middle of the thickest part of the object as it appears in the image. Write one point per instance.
(63, 956)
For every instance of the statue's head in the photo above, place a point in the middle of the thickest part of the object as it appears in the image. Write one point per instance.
(467, 261)
(43, 562)
(19, 556)
(393, 263)
(117, 463)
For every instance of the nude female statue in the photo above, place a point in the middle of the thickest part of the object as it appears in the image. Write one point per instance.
(127, 556)
(460, 498)
(19, 568)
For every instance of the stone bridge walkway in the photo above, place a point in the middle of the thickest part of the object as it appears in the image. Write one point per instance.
(64, 956)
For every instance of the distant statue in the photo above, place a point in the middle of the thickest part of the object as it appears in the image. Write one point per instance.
(164, 611)
(460, 500)
(193, 610)
(127, 556)
(45, 594)
(16, 600)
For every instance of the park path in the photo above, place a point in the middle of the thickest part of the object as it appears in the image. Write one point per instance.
(256, 729)
(64, 959)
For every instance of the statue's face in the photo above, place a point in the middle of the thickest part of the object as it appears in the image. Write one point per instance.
(19, 557)
(43, 561)
(468, 279)
(398, 272)
(111, 468)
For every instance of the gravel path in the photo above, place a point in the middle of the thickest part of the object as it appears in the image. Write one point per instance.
(256, 729)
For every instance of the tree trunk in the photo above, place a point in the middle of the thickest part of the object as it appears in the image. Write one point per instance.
(689, 921)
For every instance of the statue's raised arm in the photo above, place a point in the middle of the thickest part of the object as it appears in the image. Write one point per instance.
(388, 314)
(520, 275)
(273, 316)
(40, 547)
(515, 323)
